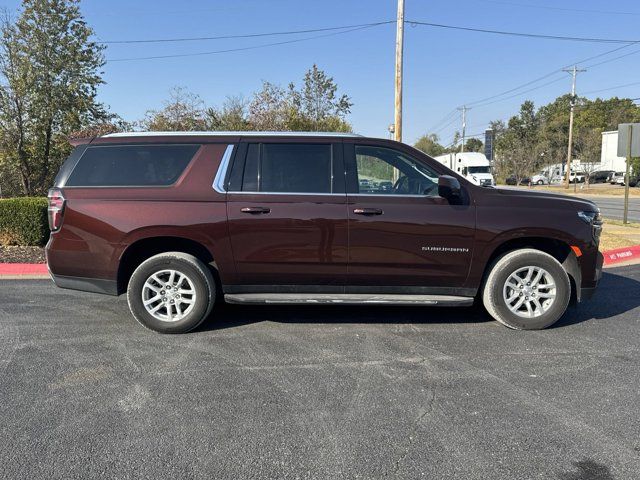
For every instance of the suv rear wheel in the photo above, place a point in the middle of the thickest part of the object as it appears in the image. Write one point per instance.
(171, 292)
(527, 289)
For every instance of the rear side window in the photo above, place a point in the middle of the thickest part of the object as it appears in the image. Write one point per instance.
(131, 165)
(288, 168)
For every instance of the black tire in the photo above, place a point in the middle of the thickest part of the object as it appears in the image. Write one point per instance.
(495, 303)
(540, 182)
(197, 273)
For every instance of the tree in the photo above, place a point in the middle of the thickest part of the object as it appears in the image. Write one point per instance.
(184, 111)
(518, 144)
(231, 117)
(535, 139)
(50, 70)
(317, 101)
(473, 145)
(314, 107)
(269, 108)
(430, 144)
(588, 143)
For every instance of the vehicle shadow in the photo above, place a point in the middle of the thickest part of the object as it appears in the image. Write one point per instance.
(229, 316)
(616, 294)
(588, 470)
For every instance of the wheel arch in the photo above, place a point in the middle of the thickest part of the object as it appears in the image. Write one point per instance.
(146, 247)
(559, 249)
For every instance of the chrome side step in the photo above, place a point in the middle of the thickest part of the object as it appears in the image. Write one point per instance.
(347, 299)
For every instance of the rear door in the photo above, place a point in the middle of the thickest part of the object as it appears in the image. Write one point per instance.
(287, 216)
(401, 232)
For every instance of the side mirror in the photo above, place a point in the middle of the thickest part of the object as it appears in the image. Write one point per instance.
(449, 187)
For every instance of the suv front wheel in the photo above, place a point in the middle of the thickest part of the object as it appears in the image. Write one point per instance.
(171, 292)
(527, 289)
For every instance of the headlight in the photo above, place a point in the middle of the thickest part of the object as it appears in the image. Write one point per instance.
(595, 220)
(590, 217)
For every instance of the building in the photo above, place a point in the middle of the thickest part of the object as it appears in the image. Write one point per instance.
(609, 159)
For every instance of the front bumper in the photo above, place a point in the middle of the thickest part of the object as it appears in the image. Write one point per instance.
(587, 292)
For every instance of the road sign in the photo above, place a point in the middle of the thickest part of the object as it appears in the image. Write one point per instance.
(623, 139)
(629, 147)
(488, 144)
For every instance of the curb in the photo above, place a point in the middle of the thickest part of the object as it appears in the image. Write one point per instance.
(12, 271)
(9, 271)
(619, 255)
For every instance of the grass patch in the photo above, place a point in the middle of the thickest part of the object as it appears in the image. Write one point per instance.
(615, 234)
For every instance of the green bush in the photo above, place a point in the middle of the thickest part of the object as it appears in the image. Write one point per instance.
(23, 221)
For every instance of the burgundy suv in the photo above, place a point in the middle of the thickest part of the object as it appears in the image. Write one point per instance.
(181, 220)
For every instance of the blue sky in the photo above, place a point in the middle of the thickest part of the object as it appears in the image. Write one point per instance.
(443, 68)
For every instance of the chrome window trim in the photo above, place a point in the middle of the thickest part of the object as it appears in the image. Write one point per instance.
(396, 195)
(335, 194)
(221, 174)
(289, 193)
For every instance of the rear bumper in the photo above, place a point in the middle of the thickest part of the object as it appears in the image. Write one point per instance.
(95, 285)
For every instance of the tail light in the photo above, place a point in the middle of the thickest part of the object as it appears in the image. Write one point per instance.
(56, 208)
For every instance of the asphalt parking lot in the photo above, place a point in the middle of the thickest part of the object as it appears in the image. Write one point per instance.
(310, 392)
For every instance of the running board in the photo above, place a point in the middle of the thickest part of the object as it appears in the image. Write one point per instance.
(348, 299)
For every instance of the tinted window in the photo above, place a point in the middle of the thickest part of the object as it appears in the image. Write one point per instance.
(479, 169)
(132, 165)
(384, 171)
(67, 166)
(251, 168)
(288, 168)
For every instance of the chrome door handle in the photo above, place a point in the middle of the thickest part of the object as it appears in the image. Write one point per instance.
(367, 211)
(255, 210)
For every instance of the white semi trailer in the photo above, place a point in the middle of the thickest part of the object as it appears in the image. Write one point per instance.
(473, 166)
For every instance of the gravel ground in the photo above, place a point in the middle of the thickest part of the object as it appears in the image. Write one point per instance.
(21, 255)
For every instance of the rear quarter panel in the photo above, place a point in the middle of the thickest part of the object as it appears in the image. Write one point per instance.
(100, 223)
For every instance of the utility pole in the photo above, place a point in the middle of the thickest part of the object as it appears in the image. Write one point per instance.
(574, 72)
(398, 91)
(464, 125)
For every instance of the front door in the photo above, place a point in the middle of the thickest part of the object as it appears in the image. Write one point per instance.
(287, 215)
(401, 233)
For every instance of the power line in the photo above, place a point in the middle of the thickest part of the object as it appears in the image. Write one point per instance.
(240, 49)
(611, 88)
(454, 120)
(444, 119)
(521, 34)
(485, 101)
(550, 74)
(247, 35)
(519, 93)
(546, 7)
(613, 59)
(373, 24)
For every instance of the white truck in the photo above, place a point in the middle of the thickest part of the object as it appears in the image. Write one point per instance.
(474, 166)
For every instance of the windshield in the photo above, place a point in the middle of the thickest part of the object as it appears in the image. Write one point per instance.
(479, 169)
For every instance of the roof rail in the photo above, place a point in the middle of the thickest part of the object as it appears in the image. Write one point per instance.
(230, 134)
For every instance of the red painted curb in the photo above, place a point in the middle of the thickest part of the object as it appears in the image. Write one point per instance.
(621, 254)
(19, 269)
